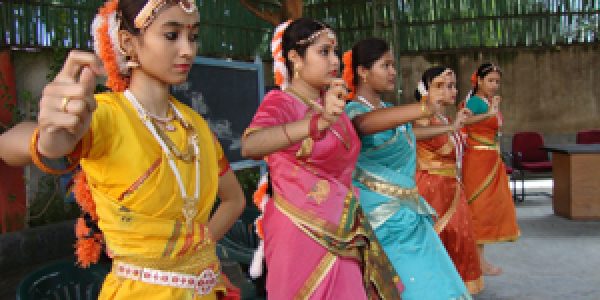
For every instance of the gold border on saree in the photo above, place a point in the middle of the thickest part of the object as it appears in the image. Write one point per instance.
(390, 189)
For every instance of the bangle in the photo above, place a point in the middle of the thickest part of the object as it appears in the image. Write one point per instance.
(36, 157)
(314, 132)
(286, 134)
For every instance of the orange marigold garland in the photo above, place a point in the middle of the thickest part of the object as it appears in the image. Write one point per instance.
(106, 48)
(260, 197)
(279, 68)
(88, 246)
(348, 74)
(474, 79)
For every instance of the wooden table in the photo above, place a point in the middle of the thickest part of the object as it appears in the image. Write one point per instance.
(576, 174)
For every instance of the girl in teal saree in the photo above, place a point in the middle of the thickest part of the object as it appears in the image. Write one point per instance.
(385, 176)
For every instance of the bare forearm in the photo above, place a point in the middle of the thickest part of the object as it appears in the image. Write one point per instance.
(230, 208)
(14, 144)
(424, 133)
(478, 118)
(388, 118)
(268, 140)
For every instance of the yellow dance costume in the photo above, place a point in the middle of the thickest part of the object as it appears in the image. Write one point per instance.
(157, 254)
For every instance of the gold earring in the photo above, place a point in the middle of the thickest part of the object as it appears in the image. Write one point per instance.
(365, 79)
(296, 71)
(131, 64)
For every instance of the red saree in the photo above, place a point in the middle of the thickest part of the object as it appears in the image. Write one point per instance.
(437, 183)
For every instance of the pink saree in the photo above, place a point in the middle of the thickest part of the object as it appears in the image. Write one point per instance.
(318, 244)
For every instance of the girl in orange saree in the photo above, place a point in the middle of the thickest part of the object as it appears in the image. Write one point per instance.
(317, 243)
(151, 167)
(484, 173)
(439, 155)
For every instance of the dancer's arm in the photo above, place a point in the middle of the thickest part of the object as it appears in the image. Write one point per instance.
(265, 141)
(392, 117)
(424, 132)
(14, 144)
(492, 111)
(230, 208)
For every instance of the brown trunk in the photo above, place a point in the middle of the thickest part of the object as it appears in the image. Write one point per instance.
(290, 9)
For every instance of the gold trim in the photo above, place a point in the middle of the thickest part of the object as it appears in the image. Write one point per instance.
(390, 189)
(316, 277)
(445, 219)
(495, 147)
(512, 238)
(449, 172)
(305, 220)
(486, 182)
(481, 139)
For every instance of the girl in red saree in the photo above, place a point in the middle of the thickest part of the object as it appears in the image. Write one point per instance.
(484, 173)
(317, 243)
(439, 154)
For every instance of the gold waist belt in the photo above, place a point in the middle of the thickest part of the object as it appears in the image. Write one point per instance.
(390, 189)
(446, 172)
(495, 147)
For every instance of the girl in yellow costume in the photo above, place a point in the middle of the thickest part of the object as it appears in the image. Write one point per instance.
(151, 166)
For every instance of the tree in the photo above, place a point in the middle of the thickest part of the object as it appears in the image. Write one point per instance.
(273, 11)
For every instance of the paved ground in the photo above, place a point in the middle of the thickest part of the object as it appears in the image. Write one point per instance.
(555, 258)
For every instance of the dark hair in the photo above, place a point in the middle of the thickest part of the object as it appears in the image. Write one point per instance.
(298, 30)
(128, 10)
(484, 70)
(428, 77)
(366, 52)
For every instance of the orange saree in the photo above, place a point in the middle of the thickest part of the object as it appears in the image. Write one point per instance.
(438, 184)
(486, 184)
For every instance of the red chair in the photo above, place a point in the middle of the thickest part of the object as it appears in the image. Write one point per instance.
(511, 173)
(529, 157)
(588, 137)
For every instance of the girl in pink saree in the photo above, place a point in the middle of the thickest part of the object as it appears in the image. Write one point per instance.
(316, 241)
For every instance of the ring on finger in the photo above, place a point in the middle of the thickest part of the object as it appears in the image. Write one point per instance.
(64, 103)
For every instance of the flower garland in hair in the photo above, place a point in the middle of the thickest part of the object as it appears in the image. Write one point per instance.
(106, 45)
(422, 90)
(279, 68)
(348, 74)
(474, 79)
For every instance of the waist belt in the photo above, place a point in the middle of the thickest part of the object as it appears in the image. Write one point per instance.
(202, 284)
(484, 147)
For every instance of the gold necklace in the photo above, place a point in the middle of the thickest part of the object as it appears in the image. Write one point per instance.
(316, 107)
(188, 156)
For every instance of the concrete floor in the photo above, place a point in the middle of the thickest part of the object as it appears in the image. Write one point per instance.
(555, 258)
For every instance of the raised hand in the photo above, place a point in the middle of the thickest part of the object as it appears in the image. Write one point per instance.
(67, 104)
(334, 101)
(461, 118)
(495, 105)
